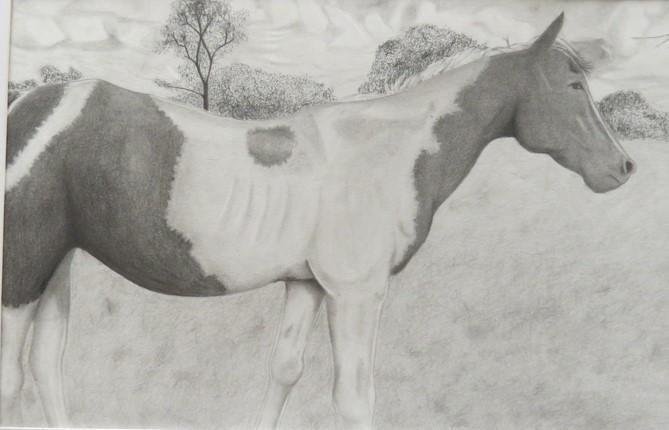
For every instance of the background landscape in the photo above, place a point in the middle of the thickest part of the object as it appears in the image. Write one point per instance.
(534, 304)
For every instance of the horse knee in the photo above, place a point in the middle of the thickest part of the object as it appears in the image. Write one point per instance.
(287, 366)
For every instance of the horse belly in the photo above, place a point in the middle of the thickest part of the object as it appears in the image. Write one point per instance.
(251, 230)
(198, 249)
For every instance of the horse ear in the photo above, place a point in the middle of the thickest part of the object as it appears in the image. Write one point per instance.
(547, 38)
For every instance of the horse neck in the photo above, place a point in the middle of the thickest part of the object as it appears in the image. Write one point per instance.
(486, 111)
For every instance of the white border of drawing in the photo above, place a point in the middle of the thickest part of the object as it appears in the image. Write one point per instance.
(5, 18)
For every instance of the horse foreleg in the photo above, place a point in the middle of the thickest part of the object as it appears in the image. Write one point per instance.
(303, 299)
(15, 325)
(48, 345)
(354, 318)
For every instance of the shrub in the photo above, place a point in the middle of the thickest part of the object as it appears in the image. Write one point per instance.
(244, 92)
(15, 89)
(11, 96)
(22, 85)
(630, 116)
(52, 75)
(412, 53)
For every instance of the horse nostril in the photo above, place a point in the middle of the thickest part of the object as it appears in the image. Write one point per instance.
(628, 167)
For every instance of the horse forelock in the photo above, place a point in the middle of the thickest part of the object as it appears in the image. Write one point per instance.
(574, 55)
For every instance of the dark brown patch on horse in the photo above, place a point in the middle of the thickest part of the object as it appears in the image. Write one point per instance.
(103, 186)
(121, 174)
(37, 232)
(29, 113)
(437, 175)
(270, 146)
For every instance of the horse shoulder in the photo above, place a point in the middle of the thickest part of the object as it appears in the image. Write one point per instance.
(366, 220)
(369, 203)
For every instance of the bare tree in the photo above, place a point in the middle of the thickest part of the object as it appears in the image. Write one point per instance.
(199, 31)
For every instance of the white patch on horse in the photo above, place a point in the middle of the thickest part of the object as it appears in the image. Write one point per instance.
(65, 113)
(598, 115)
(17, 101)
(247, 223)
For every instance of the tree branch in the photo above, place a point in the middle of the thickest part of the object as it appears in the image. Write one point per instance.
(206, 26)
(198, 66)
(660, 36)
(191, 26)
(225, 43)
(210, 54)
(182, 45)
(177, 87)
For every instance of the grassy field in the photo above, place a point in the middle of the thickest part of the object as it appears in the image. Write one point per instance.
(535, 304)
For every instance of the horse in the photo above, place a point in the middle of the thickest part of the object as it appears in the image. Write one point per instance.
(332, 200)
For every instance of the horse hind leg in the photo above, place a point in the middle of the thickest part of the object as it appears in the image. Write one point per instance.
(48, 344)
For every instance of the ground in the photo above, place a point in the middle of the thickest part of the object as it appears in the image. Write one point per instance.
(534, 304)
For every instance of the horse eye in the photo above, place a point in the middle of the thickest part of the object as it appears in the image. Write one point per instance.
(576, 85)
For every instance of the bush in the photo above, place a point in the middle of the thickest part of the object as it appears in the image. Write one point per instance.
(52, 75)
(15, 89)
(631, 117)
(11, 96)
(22, 85)
(48, 74)
(413, 52)
(243, 92)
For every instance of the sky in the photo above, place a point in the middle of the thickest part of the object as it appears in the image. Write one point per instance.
(333, 41)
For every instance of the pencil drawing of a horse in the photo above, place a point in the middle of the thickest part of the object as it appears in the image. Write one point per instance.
(332, 200)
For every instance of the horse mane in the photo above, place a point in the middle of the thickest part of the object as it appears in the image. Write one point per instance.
(466, 56)
(408, 80)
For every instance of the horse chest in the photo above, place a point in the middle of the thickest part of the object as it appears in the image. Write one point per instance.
(366, 222)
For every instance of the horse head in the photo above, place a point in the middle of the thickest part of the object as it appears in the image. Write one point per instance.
(556, 114)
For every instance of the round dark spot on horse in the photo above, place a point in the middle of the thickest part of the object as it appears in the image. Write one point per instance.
(271, 146)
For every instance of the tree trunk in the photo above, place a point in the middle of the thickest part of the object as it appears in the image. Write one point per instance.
(205, 96)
